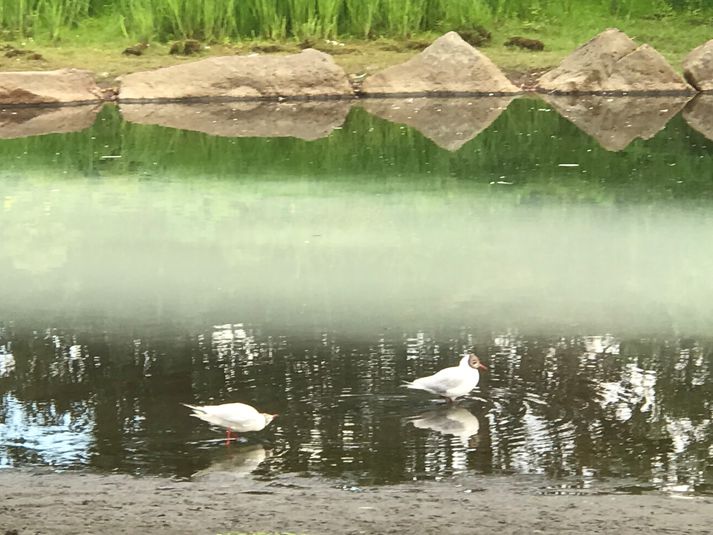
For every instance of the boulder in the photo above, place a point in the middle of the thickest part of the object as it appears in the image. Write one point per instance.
(63, 86)
(612, 63)
(448, 66)
(449, 122)
(304, 120)
(33, 121)
(617, 121)
(309, 74)
(698, 67)
(699, 115)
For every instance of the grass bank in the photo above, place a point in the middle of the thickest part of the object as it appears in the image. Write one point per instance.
(93, 35)
(221, 20)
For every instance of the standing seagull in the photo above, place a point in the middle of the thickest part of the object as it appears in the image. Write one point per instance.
(453, 382)
(237, 417)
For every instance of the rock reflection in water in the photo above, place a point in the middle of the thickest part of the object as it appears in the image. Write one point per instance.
(699, 114)
(449, 122)
(617, 121)
(453, 420)
(304, 120)
(38, 121)
(600, 406)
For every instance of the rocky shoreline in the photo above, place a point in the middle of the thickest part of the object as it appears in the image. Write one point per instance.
(450, 92)
(609, 64)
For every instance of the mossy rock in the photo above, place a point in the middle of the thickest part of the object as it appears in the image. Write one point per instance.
(135, 50)
(403, 46)
(475, 36)
(524, 42)
(307, 43)
(12, 52)
(187, 47)
(269, 48)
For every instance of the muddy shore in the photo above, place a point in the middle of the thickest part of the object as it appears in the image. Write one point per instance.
(78, 503)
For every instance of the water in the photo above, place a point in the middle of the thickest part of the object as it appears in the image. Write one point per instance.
(143, 266)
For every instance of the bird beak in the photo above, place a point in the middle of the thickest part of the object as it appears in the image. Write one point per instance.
(481, 365)
(274, 415)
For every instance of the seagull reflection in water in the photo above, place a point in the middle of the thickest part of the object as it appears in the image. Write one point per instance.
(237, 461)
(450, 420)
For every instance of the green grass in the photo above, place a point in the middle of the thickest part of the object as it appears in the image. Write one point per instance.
(376, 35)
(232, 20)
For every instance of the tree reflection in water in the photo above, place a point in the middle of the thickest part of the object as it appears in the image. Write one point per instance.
(578, 407)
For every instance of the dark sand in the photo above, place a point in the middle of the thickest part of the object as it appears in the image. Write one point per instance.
(64, 503)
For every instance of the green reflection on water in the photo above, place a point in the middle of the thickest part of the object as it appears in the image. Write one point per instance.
(524, 146)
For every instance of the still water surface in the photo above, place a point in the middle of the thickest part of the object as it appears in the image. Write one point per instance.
(311, 278)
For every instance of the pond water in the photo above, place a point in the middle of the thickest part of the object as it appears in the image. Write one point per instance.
(142, 266)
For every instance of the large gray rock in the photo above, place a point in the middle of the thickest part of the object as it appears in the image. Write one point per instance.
(699, 115)
(698, 67)
(448, 66)
(449, 122)
(309, 74)
(612, 63)
(304, 120)
(617, 121)
(26, 121)
(48, 87)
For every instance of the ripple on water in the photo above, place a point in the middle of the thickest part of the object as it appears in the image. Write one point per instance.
(546, 407)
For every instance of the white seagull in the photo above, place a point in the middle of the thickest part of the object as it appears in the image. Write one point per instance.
(237, 417)
(453, 382)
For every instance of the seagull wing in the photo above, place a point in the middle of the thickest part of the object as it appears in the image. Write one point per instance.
(236, 415)
(440, 382)
(239, 414)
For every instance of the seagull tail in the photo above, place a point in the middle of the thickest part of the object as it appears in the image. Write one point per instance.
(413, 385)
(197, 410)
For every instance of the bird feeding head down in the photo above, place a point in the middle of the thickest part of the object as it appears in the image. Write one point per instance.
(269, 417)
(474, 362)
